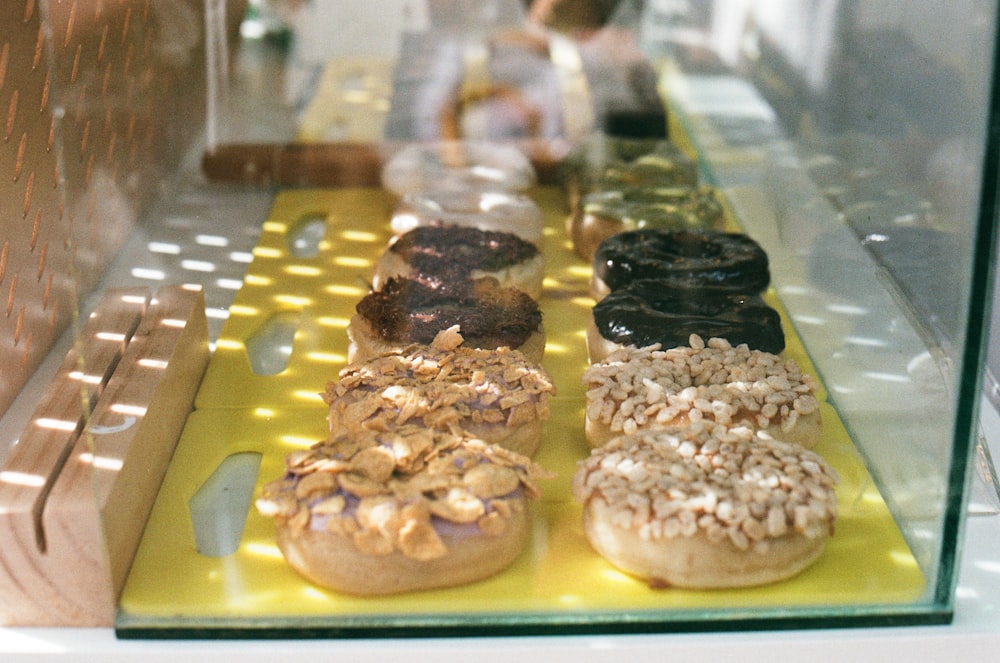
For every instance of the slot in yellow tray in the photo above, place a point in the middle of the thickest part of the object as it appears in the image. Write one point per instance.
(558, 581)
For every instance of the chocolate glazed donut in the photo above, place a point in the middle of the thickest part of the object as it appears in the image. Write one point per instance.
(447, 254)
(650, 311)
(455, 251)
(489, 316)
(732, 261)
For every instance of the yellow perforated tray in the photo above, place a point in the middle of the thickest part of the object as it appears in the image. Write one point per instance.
(557, 584)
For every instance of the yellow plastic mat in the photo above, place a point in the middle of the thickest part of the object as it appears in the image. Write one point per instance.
(557, 581)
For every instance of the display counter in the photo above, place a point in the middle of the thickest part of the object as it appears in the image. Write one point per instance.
(974, 634)
(877, 209)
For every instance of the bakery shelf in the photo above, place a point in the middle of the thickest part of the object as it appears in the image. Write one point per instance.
(557, 585)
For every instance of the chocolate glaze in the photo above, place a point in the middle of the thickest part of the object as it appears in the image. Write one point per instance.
(455, 251)
(650, 311)
(412, 311)
(727, 260)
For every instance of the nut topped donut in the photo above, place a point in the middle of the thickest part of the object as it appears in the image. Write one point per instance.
(497, 395)
(648, 312)
(407, 311)
(720, 259)
(452, 253)
(639, 388)
(382, 512)
(706, 506)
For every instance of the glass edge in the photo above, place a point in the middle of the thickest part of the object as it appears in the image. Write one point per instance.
(521, 625)
(970, 386)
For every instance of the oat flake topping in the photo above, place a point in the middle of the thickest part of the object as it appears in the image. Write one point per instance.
(384, 490)
(439, 386)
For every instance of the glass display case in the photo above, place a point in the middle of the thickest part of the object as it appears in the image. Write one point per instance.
(197, 201)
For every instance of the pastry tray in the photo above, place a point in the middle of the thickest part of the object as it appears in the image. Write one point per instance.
(557, 585)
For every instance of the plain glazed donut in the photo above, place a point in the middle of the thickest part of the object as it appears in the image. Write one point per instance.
(453, 253)
(458, 165)
(706, 506)
(720, 259)
(384, 512)
(648, 312)
(640, 388)
(487, 210)
(496, 395)
(406, 311)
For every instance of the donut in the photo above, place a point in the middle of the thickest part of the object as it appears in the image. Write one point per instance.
(706, 506)
(383, 512)
(639, 388)
(648, 312)
(721, 259)
(605, 213)
(496, 395)
(443, 254)
(457, 165)
(664, 165)
(605, 162)
(408, 311)
(487, 210)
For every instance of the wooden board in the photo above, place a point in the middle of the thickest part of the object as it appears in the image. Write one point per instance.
(76, 489)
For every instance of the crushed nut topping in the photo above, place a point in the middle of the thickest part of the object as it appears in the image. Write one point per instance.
(634, 388)
(730, 483)
(343, 486)
(441, 386)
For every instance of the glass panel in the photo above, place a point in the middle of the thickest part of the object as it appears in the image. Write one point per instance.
(858, 146)
(847, 137)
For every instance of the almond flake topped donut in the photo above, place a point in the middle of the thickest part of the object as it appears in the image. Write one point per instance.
(636, 388)
(706, 506)
(414, 507)
(497, 395)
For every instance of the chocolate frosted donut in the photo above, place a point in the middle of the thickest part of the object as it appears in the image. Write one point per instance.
(452, 253)
(649, 311)
(407, 311)
(732, 261)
